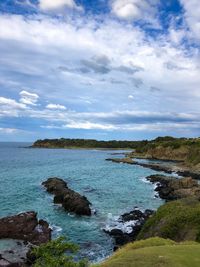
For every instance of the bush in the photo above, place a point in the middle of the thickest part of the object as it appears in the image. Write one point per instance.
(57, 253)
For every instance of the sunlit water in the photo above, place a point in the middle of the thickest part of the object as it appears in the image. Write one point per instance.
(111, 188)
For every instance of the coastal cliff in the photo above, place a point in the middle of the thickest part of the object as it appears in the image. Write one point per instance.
(183, 150)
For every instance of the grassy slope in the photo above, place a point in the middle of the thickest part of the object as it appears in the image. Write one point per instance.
(178, 220)
(155, 252)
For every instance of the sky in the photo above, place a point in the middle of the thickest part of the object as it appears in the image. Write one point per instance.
(102, 69)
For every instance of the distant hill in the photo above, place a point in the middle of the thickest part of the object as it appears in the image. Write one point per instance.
(85, 143)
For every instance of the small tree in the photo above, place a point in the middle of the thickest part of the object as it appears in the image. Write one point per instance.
(57, 253)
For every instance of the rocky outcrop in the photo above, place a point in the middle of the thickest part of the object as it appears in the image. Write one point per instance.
(16, 254)
(25, 226)
(70, 200)
(127, 227)
(121, 160)
(172, 168)
(171, 188)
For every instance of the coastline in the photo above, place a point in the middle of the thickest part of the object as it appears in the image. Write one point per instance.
(83, 148)
(174, 167)
(178, 167)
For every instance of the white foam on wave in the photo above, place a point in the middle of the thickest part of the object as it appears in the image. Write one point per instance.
(144, 180)
(56, 228)
(114, 222)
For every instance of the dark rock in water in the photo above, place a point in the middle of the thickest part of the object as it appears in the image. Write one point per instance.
(128, 226)
(126, 160)
(70, 200)
(171, 188)
(25, 226)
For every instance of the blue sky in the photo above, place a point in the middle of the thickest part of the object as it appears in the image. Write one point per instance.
(104, 69)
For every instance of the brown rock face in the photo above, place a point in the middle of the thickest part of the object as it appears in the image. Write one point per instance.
(25, 226)
(171, 188)
(70, 200)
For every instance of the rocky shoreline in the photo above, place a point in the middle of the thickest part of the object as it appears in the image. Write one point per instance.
(168, 188)
(177, 168)
(69, 199)
(126, 228)
(171, 188)
(28, 231)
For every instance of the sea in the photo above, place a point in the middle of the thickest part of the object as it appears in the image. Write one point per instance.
(112, 188)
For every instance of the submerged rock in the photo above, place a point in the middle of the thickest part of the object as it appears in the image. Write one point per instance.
(171, 188)
(25, 226)
(70, 200)
(127, 227)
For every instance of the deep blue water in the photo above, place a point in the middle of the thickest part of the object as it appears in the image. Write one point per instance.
(111, 188)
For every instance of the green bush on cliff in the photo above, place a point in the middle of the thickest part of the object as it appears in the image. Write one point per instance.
(178, 220)
(56, 253)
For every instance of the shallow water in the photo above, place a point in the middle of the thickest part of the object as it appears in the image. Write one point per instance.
(111, 188)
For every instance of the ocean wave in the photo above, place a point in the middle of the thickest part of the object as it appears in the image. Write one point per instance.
(56, 229)
(115, 222)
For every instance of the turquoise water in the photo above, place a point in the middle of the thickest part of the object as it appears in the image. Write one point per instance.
(111, 188)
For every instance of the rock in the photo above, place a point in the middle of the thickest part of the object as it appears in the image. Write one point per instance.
(25, 226)
(181, 170)
(128, 226)
(70, 200)
(171, 188)
(126, 160)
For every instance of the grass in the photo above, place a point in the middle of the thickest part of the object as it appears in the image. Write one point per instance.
(178, 220)
(155, 252)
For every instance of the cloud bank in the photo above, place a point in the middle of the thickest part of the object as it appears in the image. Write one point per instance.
(108, 74)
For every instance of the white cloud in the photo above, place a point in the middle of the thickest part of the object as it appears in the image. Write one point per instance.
(135, 10)
(8, 130)
(130, 96)
(50, 5)
(192, 16)
(8, 102)
(82, 125)
(28, 98)
(166, 68)
(89, 126)
(56, 106)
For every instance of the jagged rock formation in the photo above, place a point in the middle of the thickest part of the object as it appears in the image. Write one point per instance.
(128, 226)
(70, 200)
(25, 226)
(171, 188)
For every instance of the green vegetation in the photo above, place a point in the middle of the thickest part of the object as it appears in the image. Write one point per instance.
(169, 141)
(84, 143)
(54, 254)
(169, 148)
(181, 149)
(155, 252)
(178, 220)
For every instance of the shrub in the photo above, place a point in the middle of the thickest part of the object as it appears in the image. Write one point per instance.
(57, 253)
